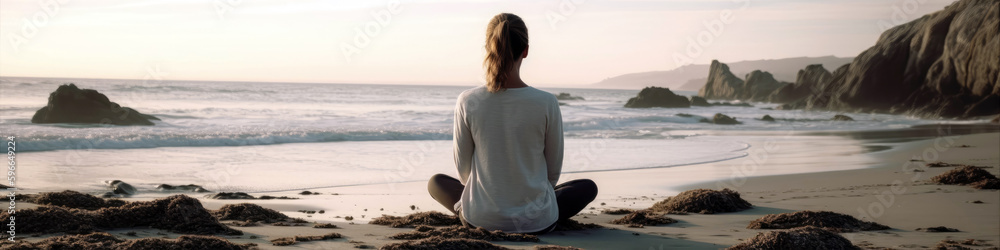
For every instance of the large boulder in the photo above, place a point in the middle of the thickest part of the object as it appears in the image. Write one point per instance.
(809, 80)
(759, 85)
(699, 101)
(651, 97)
(721, 83)
(120, 187)
(567, 97)
(943, 64)
(70, 104)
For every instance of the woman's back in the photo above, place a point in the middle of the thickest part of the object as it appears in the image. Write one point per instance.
(508, 148)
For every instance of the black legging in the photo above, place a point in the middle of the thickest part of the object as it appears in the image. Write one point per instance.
(571, 196)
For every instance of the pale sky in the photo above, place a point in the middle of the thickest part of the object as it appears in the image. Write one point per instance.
(573, 42)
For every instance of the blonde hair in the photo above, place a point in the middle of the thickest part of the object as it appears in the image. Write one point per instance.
(506, 40)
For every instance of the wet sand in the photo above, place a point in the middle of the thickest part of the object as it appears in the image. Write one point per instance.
(871, 177)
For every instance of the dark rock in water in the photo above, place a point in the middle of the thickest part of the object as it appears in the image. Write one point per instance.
(759, 86)
(249, 212)
(438, 242)
(699, 101)
(843, 118)
(724, 119)
(120, 187)
(657, 97)
(431, 218)
(943, 64)
(734, 104)
(810, 80)
(643, 218)
(70, 104)
(828, 220)
(968, 175)
(705, 201)
(102, 240)
(940, 229)
(813, 237)
(767, 118)
(231, 196)
(685, 115)
(568, 97)
(268, 197)
(185, 188)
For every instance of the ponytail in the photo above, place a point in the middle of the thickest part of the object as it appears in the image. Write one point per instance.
(506, 40)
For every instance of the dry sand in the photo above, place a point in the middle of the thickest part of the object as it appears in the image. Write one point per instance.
(892, 189)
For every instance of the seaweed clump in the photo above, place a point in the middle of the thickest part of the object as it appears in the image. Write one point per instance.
(249, 212)
(705, 201)
(430, 218)
(438, 242)
(286, 241)
(178, 213)
(572, 225)
(423, 232)
(828, 220)
(968, 175)
(643, 218)
(101, 240)
(74, 199)
(796, 238)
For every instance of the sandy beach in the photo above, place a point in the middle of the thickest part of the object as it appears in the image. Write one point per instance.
(887, 182)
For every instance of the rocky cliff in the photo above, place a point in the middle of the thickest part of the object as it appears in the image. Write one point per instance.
(944, 64)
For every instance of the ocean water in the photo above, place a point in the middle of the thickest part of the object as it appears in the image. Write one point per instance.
(232, 134)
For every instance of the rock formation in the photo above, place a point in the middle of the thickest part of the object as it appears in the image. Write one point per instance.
(724, 119)
(842, 118)
(759, 85)
(568, 97)
(809, 80)
(70, 104)
(699, 101)
(943, 64)
(721, 83)
(657, 97)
